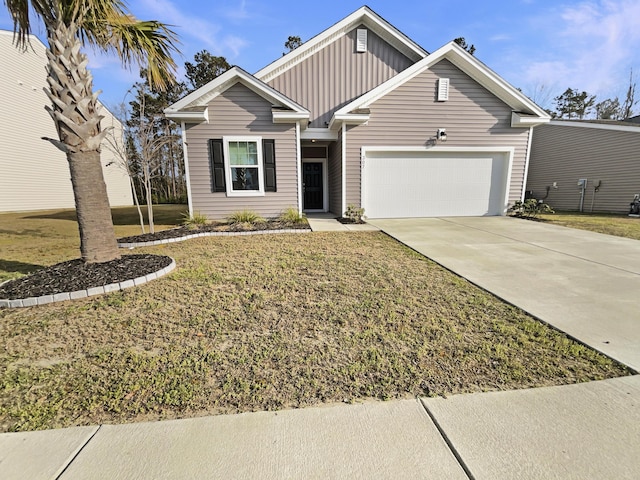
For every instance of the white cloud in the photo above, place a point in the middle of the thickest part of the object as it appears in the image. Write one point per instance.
(234, 44)
(591, 46)
(187, 25)
(500, 37)
(238, 13)
(196, 32)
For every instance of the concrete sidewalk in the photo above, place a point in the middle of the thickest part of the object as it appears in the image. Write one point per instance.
(571, 432)
(327, 222)
(584, 283)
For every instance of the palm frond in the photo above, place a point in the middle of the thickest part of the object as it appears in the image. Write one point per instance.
(106, 24)
(109, 25)
(150, 44)
(19, 11)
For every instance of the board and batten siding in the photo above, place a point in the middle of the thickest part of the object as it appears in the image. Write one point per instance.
(411, 116)
(240, 111)
(335, 176)
(35, 174)
(337, 74)
(565, 153)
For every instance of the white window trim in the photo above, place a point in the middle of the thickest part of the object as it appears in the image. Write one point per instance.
(227, 167)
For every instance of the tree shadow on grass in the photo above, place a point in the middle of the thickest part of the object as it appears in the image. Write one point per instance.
(61, 215)
(18, 267)
(171, 215)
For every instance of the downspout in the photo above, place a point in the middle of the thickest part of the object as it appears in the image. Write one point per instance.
(299, 167)
(344, 169)
(186, 167)
(526, 164)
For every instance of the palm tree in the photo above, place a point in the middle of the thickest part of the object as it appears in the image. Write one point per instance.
(108, 25)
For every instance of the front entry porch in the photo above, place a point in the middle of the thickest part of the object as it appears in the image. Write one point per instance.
(315, 178)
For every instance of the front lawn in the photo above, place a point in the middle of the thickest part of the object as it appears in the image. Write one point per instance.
(32, 240)
(611, 224)
(260, 323)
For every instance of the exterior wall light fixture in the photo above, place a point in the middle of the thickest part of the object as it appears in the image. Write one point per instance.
(441, 135)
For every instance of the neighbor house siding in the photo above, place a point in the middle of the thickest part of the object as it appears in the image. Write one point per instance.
(337, 74)
(240, 111)
(115, 174)
(335, 176)
(35, 174)
(564, 154)
(410, 116)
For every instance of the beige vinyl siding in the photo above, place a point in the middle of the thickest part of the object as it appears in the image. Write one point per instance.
(35, 174)
(564, 154)
(410, 116)
(337, 74)
(335, 176)
(240, 111)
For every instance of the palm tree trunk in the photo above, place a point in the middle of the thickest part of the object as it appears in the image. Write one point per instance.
(75, 112)
(97, 236)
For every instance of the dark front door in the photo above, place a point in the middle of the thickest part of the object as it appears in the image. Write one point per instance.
(312, 184)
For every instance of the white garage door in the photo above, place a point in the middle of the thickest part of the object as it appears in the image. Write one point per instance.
(434, 184)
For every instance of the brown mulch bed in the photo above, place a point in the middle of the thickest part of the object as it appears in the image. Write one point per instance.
(76, 275)
(213, 227)
(349, 221)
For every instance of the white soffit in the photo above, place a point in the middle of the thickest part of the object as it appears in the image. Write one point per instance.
(363, 16)
(525, 120)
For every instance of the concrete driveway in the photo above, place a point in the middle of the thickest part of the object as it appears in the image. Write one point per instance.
(584, 283)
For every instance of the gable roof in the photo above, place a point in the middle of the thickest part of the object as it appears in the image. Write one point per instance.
(363, 16)
(193, 107)
(526, 112)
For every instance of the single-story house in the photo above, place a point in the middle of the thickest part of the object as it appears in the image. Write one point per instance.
(35, 174)
(358, 115)
(590, 166)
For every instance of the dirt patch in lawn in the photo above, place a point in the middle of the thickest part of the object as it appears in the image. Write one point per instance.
(270, 322)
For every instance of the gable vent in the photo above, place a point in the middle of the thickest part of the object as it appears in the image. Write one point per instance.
(361, 40)
(443, 89)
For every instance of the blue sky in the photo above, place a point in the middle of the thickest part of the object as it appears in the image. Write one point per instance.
(540, 46)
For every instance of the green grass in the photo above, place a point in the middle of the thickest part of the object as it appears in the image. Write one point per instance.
(610, 224)
(194, 221)
(292, 216)
(262, 323)
(244, 216)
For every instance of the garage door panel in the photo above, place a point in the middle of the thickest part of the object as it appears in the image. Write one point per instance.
(397, 185)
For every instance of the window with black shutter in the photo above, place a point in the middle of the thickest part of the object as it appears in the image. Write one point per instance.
(216, 155)
(243, 166)
(269, 158)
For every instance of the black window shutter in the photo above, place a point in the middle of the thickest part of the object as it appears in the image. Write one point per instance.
(269, 157)
(216, 156)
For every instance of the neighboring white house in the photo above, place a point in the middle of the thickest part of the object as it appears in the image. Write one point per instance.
(34, 175)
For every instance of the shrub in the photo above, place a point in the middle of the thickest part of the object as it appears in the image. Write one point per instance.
(354, 214)
(292, 216)
(194, 221)
(245, 216)
(530, 208)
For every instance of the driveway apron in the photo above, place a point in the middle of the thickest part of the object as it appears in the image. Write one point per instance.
(584, 283)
